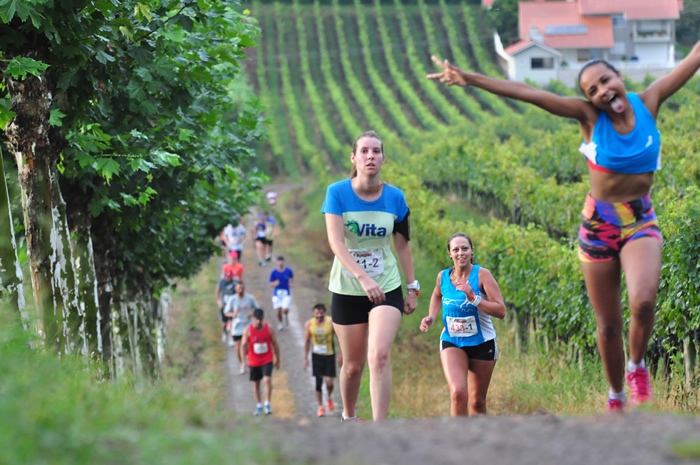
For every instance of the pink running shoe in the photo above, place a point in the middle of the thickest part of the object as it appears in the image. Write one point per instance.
(615, 405)
(640, 386)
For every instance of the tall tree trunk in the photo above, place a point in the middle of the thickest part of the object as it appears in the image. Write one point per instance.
(103, 246)
(165, 303)
(139, 334)
(11, 291)
(689, 358)
(36, 148)
(79, 222)
(65, 278)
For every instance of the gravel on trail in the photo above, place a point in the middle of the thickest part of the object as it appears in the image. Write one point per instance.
(635, 437)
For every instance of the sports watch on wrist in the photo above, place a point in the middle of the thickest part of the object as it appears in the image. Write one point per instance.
(414, 286)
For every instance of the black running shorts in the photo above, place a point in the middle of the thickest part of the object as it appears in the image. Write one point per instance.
(323, 365)
(485, 351)
(257, 373)
(354, 309)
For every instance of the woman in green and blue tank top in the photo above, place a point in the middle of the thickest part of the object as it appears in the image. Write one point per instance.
(363, 214)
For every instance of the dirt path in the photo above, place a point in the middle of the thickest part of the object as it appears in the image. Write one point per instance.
(639, 438)
(293, 387)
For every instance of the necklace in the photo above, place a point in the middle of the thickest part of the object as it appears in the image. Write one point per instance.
(453, 277)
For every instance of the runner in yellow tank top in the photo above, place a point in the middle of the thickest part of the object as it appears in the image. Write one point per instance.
(319, 338)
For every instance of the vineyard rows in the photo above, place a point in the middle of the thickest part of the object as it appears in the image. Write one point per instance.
(327, 72)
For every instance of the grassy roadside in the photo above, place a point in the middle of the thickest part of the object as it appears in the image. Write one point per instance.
(58, 412)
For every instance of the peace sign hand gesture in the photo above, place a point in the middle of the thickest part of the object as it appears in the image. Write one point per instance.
(450, 75)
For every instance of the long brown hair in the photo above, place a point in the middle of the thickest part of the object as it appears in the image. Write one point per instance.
(371, 134)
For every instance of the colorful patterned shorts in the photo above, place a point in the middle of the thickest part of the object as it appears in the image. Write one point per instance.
(607, 227)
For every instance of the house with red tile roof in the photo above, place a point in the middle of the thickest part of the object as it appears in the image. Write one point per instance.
(629, 33)
(535, 60)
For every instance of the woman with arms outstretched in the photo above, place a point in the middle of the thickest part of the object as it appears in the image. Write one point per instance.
(619, 230)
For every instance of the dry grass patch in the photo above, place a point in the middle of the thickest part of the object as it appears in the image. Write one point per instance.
(282, 402)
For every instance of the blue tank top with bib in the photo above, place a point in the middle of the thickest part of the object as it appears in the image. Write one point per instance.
(634, 153)
(464, 324)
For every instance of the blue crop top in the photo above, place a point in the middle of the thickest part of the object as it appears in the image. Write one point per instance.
(634, 153)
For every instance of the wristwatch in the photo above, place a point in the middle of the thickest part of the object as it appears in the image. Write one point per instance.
(414, 286)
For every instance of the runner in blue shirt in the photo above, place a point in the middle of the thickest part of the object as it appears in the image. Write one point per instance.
(468, 296)
(281, 280)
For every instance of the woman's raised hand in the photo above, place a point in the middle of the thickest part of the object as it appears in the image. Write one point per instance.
(450, 75)
(467, 289)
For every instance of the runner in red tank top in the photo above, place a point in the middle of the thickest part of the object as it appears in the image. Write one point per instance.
(260, 342)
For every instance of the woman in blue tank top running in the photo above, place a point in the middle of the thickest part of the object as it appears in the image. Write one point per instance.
(468, 296)
(619, 230)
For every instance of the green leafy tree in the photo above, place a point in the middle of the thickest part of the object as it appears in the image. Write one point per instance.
(503, 17)
(688, 25)
(123, 109)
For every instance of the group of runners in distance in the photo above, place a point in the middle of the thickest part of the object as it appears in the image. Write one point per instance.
(619, 232)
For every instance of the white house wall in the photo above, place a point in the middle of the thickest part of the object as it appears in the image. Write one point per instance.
(569, 56)
(652, 53)
(524, 71)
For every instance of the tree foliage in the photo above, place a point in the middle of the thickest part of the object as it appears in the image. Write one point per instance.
(688, 25)
(146, 138)
(503, 17)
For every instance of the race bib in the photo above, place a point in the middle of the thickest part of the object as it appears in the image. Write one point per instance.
(260, 348)
(281, 292)
(461, 326)
(320, 349)
(371, 260)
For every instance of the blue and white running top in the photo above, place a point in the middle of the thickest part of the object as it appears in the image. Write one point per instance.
(634, 153)
(368, 229)
(465, 325)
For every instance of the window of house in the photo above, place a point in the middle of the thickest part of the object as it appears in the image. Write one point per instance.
(542, 63)
(583, 54)
(618, 21)
(652, 28)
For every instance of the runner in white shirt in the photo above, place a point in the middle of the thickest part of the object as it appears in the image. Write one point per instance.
(234, 236)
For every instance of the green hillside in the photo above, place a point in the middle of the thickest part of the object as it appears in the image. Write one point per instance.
(328, 72)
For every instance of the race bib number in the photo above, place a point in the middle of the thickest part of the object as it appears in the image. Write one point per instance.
(320, 349)
(260, 348)
(461, 326)
(281, 292)
(371, 260)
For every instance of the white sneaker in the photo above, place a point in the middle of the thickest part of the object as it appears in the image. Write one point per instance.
(231, 343)
(242, 370)
(223, 338)
(280, 327)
